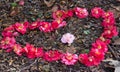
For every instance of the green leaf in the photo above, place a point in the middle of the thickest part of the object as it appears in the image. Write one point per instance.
(14, 4)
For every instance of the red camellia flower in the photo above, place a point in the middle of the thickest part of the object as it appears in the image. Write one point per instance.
(59, 14)
(52, 55)
(7, 42)
(109, 21)
(69, 13)
(34, 25)
(107, 14)
(92, 61)
(69, 59)
(83, 58)
(33, 52)
(97, 12)
(45, 26)
(17, 49)
(58, 23)
(21, 27)
(97, 53)
(8, 31)
(100, 45)
(110, 31)
(106, 41)
(39, 52)
(81, 12)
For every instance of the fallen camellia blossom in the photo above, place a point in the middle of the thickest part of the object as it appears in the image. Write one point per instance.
(67, 38)
(33, 52)
(59, 14)
(69, 59)
(52, 55)
(100, 45)
(97, 12)
(109, 21)
(106, 41)
(17, 49)
(97, 53)
(34, 25)
(7, 42)
(81, 12)
(21, 2)
(57, 23)
(109, 32)
(9, 32)
(45, 27)
(107, 14)
(69, 13)
(21, 27)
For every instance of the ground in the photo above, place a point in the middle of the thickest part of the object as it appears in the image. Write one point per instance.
(85, 30)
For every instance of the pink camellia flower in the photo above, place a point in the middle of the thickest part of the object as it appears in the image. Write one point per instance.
(110, 31)
(109, 21)
(97, 12)
(107, 14)
(67, 38)
(81, 12)
(7, 42)
(58, 23)
(33, 52)
(106, 41)
(45, 27)
(8, 31)
(100, 45)
(34, 25)
(21, 2)
(97, 53)
(17, 49)
(52, 55)
(69, 59)
(21, 27)
(59, 14)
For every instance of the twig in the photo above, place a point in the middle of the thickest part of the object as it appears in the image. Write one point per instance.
(20, 70)
(112, 51)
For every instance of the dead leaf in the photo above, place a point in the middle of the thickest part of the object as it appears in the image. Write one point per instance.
(117, 42)
(14, 11)
(54, 8)
(49, 3)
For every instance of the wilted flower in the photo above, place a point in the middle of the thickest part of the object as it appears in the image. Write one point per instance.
(17, 49)
(58, 23)
(67, 38)
(100, 45)
(81, 12)
(52, 55)
(34, 25)
(7, 42)
(59, 14)
(109, 21)
(69, 59)
(21, 27)
(45, 26)
(110, 31)
(97, 12)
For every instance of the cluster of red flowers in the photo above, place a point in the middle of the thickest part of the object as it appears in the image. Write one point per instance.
(94, 57)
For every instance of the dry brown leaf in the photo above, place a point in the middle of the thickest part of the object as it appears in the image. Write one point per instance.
(49, 3)
(117, 42)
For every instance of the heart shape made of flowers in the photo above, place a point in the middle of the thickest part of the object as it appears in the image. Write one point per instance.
(97, 51)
